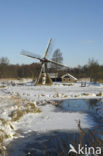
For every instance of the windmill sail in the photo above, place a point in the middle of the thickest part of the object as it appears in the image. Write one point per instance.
(56, 63)
(48, 50)
(29, 54)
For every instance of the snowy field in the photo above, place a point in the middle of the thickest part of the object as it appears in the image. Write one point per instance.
(25, 108)
(57, 91)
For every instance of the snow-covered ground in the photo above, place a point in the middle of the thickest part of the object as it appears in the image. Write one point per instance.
(58, 91)
(14, 97)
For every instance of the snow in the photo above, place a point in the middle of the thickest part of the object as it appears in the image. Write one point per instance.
(58, 91)
(49, 119)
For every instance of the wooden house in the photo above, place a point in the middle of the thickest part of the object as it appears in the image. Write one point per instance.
(67, 78)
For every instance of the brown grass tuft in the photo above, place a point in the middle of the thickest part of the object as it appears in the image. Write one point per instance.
(3, 121)
(27, 108)
(99, 94)
(86, 94)
(16, 115)
(2, 86)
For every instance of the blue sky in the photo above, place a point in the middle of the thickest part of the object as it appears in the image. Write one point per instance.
(76, 27)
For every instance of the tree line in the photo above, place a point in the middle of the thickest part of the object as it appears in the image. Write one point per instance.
(8, 70)
(92, 69)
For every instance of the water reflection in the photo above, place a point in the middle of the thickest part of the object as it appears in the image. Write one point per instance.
(79, 105)
(93, 103)
(55, 143)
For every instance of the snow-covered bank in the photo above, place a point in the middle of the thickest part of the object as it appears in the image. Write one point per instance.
(16, 100)
(12, 108)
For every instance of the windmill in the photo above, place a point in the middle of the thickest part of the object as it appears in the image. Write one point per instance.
(43, 78)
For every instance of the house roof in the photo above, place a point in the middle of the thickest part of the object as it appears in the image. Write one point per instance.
(69, 75)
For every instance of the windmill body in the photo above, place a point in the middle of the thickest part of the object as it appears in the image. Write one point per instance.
(43, 78)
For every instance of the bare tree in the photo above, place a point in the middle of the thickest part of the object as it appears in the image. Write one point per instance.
(57, 57)
(4, 67)
(94, 68)
(4, 60)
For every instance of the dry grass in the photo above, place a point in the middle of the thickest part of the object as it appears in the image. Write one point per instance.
(65, 96)
(76, 96)
(86, 94)
(57, 94)
(55, 103)
(25, 109)
(100, 80)
(63, 147)
(42, 95)
(94, 140)
(99, 94)
(2, 86)
(3, 121)
(16, 115)
(22, 107)
(17, 100)
(3, 136)
(101, 133)
(19, 108)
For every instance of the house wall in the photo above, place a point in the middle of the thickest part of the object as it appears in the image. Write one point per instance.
(67, 80)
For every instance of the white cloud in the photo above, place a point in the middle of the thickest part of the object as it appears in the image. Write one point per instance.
(87, 41)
